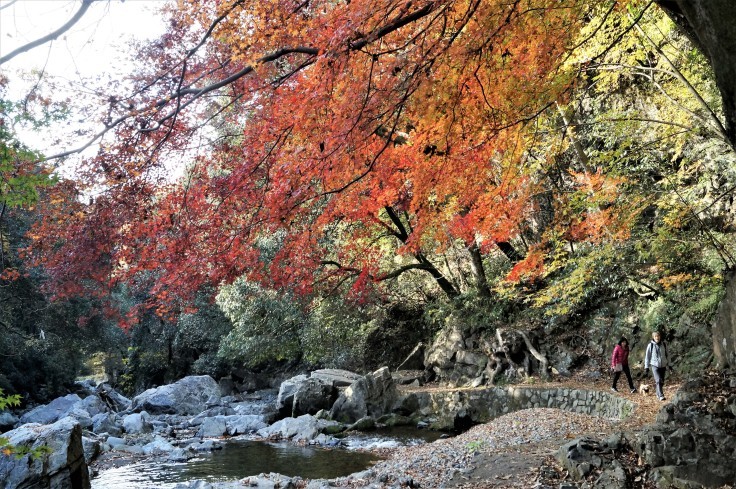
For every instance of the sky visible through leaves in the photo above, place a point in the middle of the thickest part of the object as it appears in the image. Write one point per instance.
(94, 48)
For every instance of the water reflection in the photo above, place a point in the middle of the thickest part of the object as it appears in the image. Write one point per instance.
(236, 460)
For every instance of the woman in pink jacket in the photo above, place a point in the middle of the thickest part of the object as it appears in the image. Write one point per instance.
(620, 363)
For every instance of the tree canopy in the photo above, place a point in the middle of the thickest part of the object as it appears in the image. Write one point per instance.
(336, 147)
(345, 129)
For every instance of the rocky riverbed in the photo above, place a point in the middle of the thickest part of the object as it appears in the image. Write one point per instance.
(534, 446)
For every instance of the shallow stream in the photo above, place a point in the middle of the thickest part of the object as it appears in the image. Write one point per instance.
(243, 458)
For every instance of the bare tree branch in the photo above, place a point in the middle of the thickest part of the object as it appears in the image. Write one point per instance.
(11, 2)
(380, 278)
(51, 36)
(715, 121)
(197, 92)
(212, 27)
(392, 26)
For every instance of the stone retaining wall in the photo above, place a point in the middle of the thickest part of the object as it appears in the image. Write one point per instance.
(482, 405)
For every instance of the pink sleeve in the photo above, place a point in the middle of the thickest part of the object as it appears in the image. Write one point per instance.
(615, 355)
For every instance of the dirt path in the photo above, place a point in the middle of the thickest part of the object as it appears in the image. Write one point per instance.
(508, 451)
(508, 469)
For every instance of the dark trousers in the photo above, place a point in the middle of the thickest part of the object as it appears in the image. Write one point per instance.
(616, 375)
(658, 373)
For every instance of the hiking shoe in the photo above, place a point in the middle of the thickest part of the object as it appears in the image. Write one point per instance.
(662, 398)
(633, 390)
(614, 389)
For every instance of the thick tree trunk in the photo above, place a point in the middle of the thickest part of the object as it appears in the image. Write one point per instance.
(494, 368)
(502, 351)
(710, 25)
(441, 280)
(504, 346)
(579, 150)
(510, 252)
(479, 272)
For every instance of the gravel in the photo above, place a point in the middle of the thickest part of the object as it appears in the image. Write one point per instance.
(435, 464)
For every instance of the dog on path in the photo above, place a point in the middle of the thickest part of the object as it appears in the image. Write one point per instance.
(643, 389)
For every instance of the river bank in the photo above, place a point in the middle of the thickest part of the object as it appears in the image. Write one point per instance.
(515, 450)
(557, 435)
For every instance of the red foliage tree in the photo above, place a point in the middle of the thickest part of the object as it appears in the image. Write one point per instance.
(333, 126)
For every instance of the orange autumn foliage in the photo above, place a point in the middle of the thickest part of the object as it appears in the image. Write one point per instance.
(604, 218)
(530, 269)
(327, 115)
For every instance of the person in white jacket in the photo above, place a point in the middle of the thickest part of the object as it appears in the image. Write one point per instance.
(656, 358)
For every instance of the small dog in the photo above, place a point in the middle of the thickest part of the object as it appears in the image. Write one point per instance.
(643, 389)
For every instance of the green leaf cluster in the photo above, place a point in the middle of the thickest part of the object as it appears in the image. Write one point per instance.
(275, 325)
(6, 448)
(646, 115)
(266, 323)
(20, 178)
(12, 400)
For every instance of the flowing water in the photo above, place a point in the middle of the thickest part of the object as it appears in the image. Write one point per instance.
(391, 437)
(243, 458)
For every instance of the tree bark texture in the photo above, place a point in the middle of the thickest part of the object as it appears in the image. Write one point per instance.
(479, 272)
